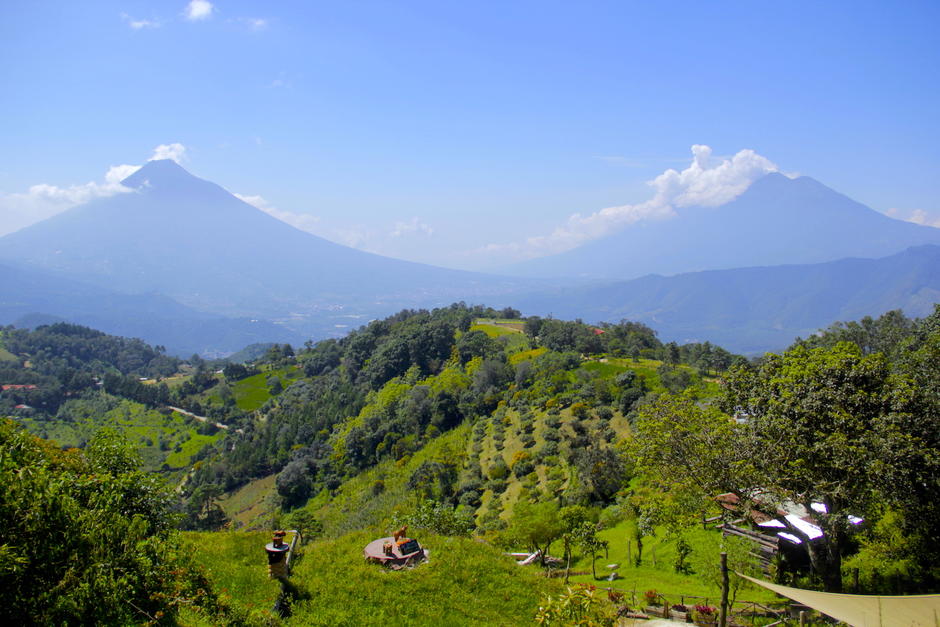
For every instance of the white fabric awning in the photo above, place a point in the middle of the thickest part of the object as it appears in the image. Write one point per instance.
(863, 610)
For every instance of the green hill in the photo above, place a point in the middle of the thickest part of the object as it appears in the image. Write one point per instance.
(465, 582)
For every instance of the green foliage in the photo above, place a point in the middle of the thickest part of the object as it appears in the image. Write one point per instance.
(818, 426)
(236, 569)
(581, 605)
(305, 523)
(534, 526)
(706, 563)
(464, 583)
(441, 519)
(886, 555)
(88, 538)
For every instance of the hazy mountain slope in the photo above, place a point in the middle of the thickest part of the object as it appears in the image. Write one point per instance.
(151, 317)
(761, 308)
(194, 241)
(776, 221)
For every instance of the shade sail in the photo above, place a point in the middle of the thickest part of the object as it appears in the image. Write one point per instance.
(863, 610)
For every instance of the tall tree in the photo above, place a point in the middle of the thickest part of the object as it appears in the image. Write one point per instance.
(814, 428)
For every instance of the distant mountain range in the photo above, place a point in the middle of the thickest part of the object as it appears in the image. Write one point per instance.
(181, 262)
(32, 297)
(751, 310)
(777, 220)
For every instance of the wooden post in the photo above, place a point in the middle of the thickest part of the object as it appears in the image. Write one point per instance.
(723, 611)
(802, 618)
(293, 545)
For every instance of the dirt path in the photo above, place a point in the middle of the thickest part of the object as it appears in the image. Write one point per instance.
(203, 419)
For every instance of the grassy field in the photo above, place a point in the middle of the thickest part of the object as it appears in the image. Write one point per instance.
(251, 393)
(526, 354)
(656, 571)
(465, 582)
(235, 563)
(143, 427)
(359, 503)
(510, 333)
(250, 506)
(507, 323)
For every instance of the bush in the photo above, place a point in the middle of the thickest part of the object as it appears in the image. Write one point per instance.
(87, 538)
(441, 519)
(523, 468)
(581, 605)
(498, 470)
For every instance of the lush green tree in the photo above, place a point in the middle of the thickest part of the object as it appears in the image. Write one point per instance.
(87, 538)
(433, 480)
(441, 519)
(294, 484)
(585, 536)
(816, 426)
(705, 560)
(203, 512)
(535, 525)
(602, 471)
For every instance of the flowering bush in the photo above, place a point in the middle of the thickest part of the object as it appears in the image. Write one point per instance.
(651, 596)
(704, 614)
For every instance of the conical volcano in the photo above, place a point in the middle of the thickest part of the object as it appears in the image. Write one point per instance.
(176, 234)
(777, 220)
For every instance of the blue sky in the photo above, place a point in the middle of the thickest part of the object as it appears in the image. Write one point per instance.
(451, 132)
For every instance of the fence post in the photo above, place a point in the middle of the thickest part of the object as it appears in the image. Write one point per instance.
(723, 612)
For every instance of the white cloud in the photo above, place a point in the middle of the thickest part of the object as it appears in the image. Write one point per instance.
(117, 173)
(401, 229)
(168, 151)
(139, 24)
(707, 182)
(920, 216)
(254, 23)
(303, 221)
(198, 10)
(20, 209)
(43, 201)
(353, 237)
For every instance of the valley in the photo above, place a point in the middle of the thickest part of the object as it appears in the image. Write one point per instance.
(459, 422)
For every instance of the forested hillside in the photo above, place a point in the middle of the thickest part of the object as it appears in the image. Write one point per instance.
(388, 389)
(528, 433)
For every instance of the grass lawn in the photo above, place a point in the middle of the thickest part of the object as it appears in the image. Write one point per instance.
(656, 571)
(464, 582)
(252, 392)
(236, 565)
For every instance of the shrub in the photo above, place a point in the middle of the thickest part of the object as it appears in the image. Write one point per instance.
(581, 605)
(88, 538)
(441, 519)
